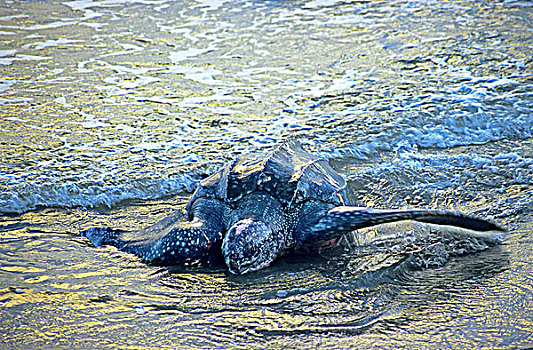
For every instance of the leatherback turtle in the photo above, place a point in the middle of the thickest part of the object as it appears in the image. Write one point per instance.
(259, 207)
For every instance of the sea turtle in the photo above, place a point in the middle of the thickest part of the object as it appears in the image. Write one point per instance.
(259, 207)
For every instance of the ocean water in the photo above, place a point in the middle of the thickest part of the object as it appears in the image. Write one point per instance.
(111, 111)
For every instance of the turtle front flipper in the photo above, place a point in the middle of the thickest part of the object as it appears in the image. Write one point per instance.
(173, 239)
(344, 219)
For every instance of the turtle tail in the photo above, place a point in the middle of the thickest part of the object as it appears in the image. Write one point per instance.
(341, 220)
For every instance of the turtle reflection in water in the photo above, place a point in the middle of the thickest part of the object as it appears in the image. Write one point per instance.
(260, 207)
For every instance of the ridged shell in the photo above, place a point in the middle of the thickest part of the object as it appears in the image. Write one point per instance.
(289, 174)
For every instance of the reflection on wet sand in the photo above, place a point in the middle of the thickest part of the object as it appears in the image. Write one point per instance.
(111, 111)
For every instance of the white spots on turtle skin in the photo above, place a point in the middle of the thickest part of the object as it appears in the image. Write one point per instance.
(173, 238)
(343, 219)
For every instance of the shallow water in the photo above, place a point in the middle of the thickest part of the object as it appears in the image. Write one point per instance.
(111, 111)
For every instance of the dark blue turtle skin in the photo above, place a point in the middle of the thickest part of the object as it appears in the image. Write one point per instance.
(262, 206)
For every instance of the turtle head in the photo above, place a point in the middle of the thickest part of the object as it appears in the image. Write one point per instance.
(249, 245)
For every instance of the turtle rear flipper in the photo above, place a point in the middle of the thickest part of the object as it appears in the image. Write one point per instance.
(344, 219)
(173, 239)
